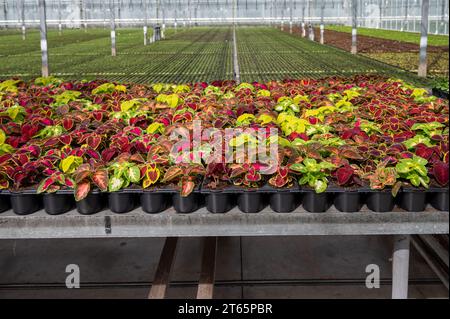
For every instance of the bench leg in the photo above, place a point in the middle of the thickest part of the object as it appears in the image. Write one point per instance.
(400, 267)
(207, 275)
(162, 275)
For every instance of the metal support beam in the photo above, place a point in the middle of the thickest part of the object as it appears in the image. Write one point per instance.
(201, 223)
(423, 39)
(430, 260)
(43, 27)
(208, 271)
(237, 73)
(400, 267)
(162, 275)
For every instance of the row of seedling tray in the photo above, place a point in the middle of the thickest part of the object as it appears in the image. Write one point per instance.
(248, 201)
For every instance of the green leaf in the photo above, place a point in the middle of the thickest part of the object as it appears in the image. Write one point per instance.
(245, 119)
(134, 174)
(115, 183)
(70, 163)
(263, 93)
(297, 167)
(129, 105)
(158, 87)
(320, 186)
(156, 127)
(9, 86)
(2, 137)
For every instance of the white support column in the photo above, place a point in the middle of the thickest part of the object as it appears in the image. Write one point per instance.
(291, 8)
(43, 28)
(59, 18)
(322, 9)
(22, 14)
(303, 20)
(146, 21)
(400, 267)
(113, 28)
(354, 26)
(423, 39)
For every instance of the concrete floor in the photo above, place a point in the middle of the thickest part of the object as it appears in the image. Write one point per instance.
(270, 267)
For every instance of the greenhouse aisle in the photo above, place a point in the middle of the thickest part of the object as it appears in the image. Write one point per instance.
(289, 268)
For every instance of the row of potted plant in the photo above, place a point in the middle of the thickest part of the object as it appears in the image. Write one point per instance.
(359, 133)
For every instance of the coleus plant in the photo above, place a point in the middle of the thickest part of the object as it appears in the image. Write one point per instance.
(185, 176)
(414, 170)
(384, 176)
(348, 175)
(313, 173)
(122, 174)
(88, 174)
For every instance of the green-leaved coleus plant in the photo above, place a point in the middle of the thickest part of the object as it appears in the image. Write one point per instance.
(414, 170)
(314, 174)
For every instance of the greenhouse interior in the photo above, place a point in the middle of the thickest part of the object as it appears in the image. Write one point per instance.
(224, 149)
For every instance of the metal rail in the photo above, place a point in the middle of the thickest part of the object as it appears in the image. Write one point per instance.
(234, 223)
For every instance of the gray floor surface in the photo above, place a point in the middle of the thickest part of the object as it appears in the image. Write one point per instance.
(269, 267)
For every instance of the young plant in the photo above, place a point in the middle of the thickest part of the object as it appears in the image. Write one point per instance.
(347, 175)
(89, 174)
(383, 177)
(185, 176)
(313, 173)
(55, 182)
(122, 174)
(281, 178)
(414, 169)
(440, 172)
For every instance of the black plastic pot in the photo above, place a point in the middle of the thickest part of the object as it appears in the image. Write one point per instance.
(153, 202)
(93, 203)
(186, 205)
(5, 203)
(219, 203)
(56, 204)
(348, 202)
(439, 200)
(25, 204)
(413, 201)
(316, 203)
(120, 202)
(284, 202)
(380, 202)
(251, 202)
(439, 93)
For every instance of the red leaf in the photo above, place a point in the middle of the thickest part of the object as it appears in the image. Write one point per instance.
(65, 139)
(344, 174)
(187, 187)
(108, 154)
(100, 178)
(94, 141)
(97, 115)
(45, 184)
(82, 190)
(440, 172)
(67, 123)
(424, 152)
(51, 142)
